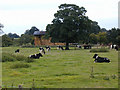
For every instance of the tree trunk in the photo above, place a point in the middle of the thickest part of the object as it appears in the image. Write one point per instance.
(67, 46)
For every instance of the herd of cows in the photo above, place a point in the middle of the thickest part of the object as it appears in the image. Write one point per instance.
(48, 48)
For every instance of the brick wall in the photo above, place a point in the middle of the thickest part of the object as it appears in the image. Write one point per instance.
(40, 41)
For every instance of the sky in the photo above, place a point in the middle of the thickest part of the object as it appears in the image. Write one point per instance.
(17, 16)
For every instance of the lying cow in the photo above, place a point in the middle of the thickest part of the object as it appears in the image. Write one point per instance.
(60, 47)
(41, 49)
(36, 56)
(17, 51)
(100, 59)
(48, 48)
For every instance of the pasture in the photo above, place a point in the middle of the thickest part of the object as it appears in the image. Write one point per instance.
(61, 69)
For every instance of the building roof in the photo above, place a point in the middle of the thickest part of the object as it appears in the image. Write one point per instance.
(37, 33)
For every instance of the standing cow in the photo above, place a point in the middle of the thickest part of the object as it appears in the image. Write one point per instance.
(48, 48)
(41, 49)
(60, 47)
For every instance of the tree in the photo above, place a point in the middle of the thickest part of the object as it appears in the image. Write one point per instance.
(102, 37)
(1, 26)
(92, 27)
(26, 39)
(70, 25)
(31, 31)
(6, 41)
(103, 30)
(112, 35)
(13, 35)
(93, 38)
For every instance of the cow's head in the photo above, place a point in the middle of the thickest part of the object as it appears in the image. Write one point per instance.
(95, 55)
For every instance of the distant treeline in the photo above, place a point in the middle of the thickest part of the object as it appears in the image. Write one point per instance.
(104, 37)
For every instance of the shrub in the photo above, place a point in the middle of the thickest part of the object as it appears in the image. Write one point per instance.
(10, 57)
(19, 57)
(28, 60)
(106, 78)
(99, 50)
(113, 76)
(7, 57)
(23, 58)
(20, 65)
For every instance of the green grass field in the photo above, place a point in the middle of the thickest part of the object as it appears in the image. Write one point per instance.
(61, 69)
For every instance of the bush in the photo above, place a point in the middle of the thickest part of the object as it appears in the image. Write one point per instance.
(28, 60)
(19, 57)
(7, 57)
(106, 78)
(20, 65)
(99, 50)
(23, 58)
(10, 57)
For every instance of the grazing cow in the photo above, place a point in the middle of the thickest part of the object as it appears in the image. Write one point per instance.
(36, 56)
(79, 46)
(17, 51)
(60, 47)
(48, 48)
(41, 49)
(111, 46)
(87, 46)
(114, 47)
(100, 59)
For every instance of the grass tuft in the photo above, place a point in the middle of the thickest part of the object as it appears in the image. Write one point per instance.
(106, 78)
(99, 50)
(20, 65)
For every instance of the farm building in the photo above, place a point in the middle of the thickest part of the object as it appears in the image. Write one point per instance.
(39, 40)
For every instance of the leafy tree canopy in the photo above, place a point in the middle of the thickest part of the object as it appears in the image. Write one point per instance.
(6, 41)
(112, 35)
(71, 25)
(1, 26)
(13, 35)
(31, 31)
(25, 39)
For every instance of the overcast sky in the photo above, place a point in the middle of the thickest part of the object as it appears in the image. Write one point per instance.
(20, 15)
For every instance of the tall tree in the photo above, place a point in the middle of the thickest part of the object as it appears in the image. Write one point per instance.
(102, 37)
(112, 35)
(103, 30)
(6, 41)
(69, 25)
(93, 38)
(1, 26)
(26, 39)
(90, 27)
(13, 35)
(31, 31)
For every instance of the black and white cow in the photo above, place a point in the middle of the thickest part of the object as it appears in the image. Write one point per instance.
(60, 47)
(36, 56)
(114, 47)
(79, 46)
(41, 49)
(87, 47)
(100, 59)
(17, 51)
(48, 48)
